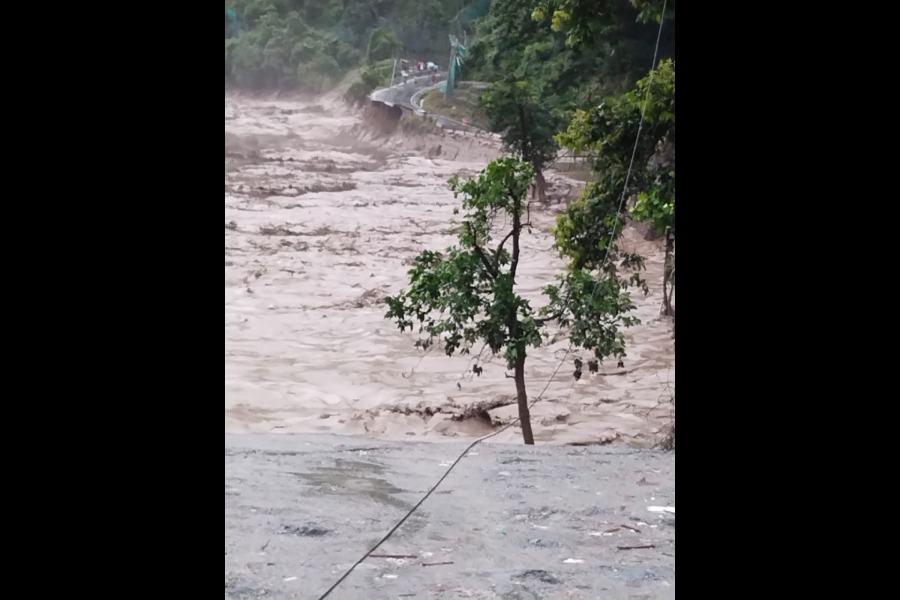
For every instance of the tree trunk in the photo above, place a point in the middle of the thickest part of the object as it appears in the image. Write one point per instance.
(513, 325)
(665, 306)
(524, 413)
(667, 273)
(541, 185)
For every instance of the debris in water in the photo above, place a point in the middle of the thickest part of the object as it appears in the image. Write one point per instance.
(308, 530)
(538, 574)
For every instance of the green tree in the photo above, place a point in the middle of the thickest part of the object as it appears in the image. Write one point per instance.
(246, 62)
(467, 294)
(607, 134)
(319, 73)
(600, 49)
(584, 21)
(324, 13)
(546, 58)
(282, 51)
(423, 28)
(358, 18)
(531, 70)
(624, 163)
(255, 10)
(383, 44)
(346, 30)
(518, 111)
(656, 200)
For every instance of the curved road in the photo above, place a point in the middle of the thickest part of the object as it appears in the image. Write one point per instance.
(403, 95)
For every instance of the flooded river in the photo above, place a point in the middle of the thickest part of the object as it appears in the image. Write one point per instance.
(322, 220)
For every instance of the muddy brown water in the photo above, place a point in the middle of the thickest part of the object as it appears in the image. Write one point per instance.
(322, 219)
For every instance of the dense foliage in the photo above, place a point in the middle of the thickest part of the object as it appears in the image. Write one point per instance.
(575, 73)
(643, 172)
(547, 58)
(311, 44)
(281, 50)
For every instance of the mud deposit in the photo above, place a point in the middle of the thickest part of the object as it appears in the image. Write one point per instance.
(322, 220)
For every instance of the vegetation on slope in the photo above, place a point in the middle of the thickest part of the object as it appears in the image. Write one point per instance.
(310, 44)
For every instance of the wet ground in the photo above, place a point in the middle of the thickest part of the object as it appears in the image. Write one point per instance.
(510, 522)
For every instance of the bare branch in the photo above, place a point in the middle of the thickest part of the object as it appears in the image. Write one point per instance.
(517, 228)
(553, 317)
(487, 265)
(503, 241)
(559, 313)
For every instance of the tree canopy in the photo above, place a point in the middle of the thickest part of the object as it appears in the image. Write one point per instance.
(468, 295)
(311, 44)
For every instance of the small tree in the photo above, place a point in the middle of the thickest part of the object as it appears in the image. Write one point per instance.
(518, 111)
(467, 294)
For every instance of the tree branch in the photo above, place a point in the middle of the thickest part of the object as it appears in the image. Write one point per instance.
(558, 313)
(553, 317)
(516, 230)
(515, 253)
(500, 247)
(487, 265)
(492, 272)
